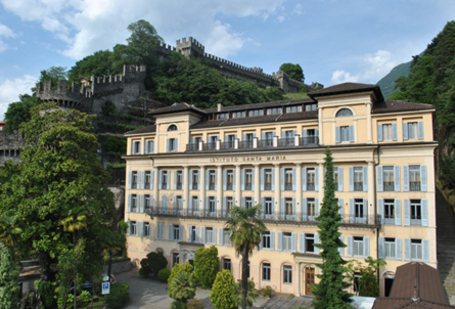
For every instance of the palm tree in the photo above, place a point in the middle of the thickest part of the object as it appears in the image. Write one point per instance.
(245, 231)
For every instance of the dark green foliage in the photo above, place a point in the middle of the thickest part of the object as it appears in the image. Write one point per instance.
(267, 291)
(116, 127)
(107, 108)
(19, 112)
(119, 295)
(224, 294)
(183, 286)
(206, 265)
(178, 305)
(251, 297)
(9, 279)
(115, 146)
(54, 74)
(176, 270)
(368, 281)
(85, 297)
(153, 263)
(163, 274)
(46, 293)
(294, 70)
(98, 64)
(330, 291)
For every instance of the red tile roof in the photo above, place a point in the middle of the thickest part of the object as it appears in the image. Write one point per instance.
(149, 129)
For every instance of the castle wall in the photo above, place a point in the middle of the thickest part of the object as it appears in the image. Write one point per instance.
(10, 146)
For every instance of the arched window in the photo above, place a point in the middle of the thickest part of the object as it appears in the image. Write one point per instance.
(172, 127)
(344, 112)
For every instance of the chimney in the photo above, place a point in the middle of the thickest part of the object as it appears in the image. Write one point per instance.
(220, 106)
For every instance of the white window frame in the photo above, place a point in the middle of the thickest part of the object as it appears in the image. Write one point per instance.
(134, 203)
(176, 232)
(309, 241)
(266, 272)
(387, 132)
(390, 247)
(344, 134)
(358, 244)
(133, 228)
(412, 130)
(287, 274)
(416, 250)
(287, 241)
(136, 149)
(266, 240)
(146, 231)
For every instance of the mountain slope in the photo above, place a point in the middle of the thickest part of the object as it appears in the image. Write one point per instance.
(388, 82)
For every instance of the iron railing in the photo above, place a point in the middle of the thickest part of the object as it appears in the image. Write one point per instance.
(286, 141)
(414, 186)
(358, 186)
(309, 140)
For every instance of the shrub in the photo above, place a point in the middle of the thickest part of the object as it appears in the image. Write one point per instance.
(69, 301)
(177, 269)
(108, 108)
(178, 305)
(141, 272)
(206, 265)
(85, 297)
(164, 274)
(194, 304)
(267, 291)
(119, 295)
(223, 294)
(153, 263)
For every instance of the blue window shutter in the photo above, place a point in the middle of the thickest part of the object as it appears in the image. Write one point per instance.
(304, 208)
(180, 232)
(405, 131)
(407, 249)
(262, 202)
(175, 205)
(130, 180)
(341, 249)
(152, 179)
(190, 204)
(169, 180)
(349, 246)
(337, 134)
(175, 180)
(191, 179)
(130, 202)
(294, 242)
(293, 179)
(397, 177)
(234, 172)
(381, 245)
(158, 231)
(316, 179)
(394, 132)
(244, 137)
(197, 234)
(380, 180)
(140, 148)
(189, 233)
(351, 178)
(351, 210)
(167, 145)
(142, 209)
(273, 205)
(128, 231)
(253, 176)
(381, 210)
(152, 146)
(366, 247)
(282, 210)
(424, 212)
(273, 179)
(221, 235)
(224, 180)
(272, 240)
(316, 132)
(399, 252)
(423, 178)
(214, 231)
(170, 233)
(216, 179)
(207, 179)
(242, 203)
(340, 210)
(426, 250)
(242, 179)
(302, 243)
(280, 235)
(203, 235)
(303, 178)
(224, 205)
(304, 133)
(316, 241)
(283, 134)
(420, 130)
(142, 180)
(147, 147)
(207, 208)
(397, 212)
(262, 135)
(407, 213)
(405, 178)
(293, 206)
(316, 200)
(365, 210)
(282, 180)
(380, 133)
(365, 178)
(351, 134)
(294, 133)
(340, 179)
(164, 203)
(261, 180)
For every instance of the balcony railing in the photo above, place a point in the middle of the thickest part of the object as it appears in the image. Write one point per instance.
(209, 146)
(308, 140)
(227, 145)
(179, 186)
(310, 186)
(229, 186)
(266, 143)
(248, 186)
(414, 186)
(195, 186)
(358, 186)
(389, 220)
(286, 141)
(389, 186)
(267, 186)
(192, 147)
(246, 144)
(211, 186)
(288, 186)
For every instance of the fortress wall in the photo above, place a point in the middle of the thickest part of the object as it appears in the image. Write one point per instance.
(10, 146)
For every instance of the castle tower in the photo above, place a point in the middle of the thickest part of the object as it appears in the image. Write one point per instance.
(190, 48)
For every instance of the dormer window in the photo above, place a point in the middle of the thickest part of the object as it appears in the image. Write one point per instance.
(344, 112)
(172, 127)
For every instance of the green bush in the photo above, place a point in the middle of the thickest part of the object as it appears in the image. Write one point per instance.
(119, 295)
(267, 291)
(194, 304)
(85, 297)
(164, 274)
(178, 305)
(187, 267)
(69, 301)
(206, 265)
(108, 107)
(224, 294)
(153, 263)
(141, 272)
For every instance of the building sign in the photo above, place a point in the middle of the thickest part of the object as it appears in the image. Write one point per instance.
(105, 288)
(247, 159)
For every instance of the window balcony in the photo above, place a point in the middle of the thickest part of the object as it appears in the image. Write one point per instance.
(389, 186)
(414, 186)
(164, 185)
(310, 186)
(179, 186)
(288, 186)
(358, 186)
(248, 186)
(268, 186)
(286, 141)
(195, 186)
(211, 186)
(229, 186)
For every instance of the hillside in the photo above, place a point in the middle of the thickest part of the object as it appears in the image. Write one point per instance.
(388, 82)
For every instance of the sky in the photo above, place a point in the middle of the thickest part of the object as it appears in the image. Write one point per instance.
(334, 41)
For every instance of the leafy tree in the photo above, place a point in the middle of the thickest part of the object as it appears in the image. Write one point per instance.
(54, 74)
(19, 112)
(224, 294)
(368, 281)
(107, 108)
(98, 64)
(330, 291)
(187, 267)
(245, 229)
(206, 265)
(153, 263)
(294, 70)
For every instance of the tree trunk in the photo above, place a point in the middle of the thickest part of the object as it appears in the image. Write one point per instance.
(109, 266)
(245, 274)
(45, 262)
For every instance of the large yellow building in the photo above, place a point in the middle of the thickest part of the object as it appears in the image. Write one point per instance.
(185, 172)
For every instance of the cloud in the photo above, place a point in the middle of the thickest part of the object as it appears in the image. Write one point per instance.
(7, 33)
(87, 26)
(298, 9)
(372, 68)
(10, 88)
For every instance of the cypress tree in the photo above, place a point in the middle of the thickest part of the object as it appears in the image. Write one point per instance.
(330, 291)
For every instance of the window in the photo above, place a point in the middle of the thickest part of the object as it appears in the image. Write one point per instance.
(416, 212)
(230, 141)
(195, 204)
(136, 147)
(358, 178)
(195, 180)
(222, 116)
(390, 248)
(289, 209)
(344, 134)
(310, 179)
(159, 251)
(344, 112)
(268, 179)
(134, 179)
(209, 235)
(175, 258)
(311, 208)
(133, 228)
(274, 111)
(193, 235)
(134, 203)
(212, 179)
(293, 109)
(149, 146)
(414, 177)
(416, 249)
(172, 144)
(238, 114)
(412, 130)
(311, 107)
(288, 176)
(266, 240)
(147, 179)
(248, 202)
(268, 207)
(230, 203)
(248, 179)
(268, 139)
(266, 271)
(148, 203)
(212, 206)
(179, 181)
(248, 142)
(226, 240)
(176, 231)
(389, 211)
(288, 138)
(172, 127)
(146, 231)
(387, 132)
(358, 208)
(213, 139)
(389, 181)
(309, 242)
(230, 180)
(287, 274)
(358, 246)
(357, 277)
(164, 179)
(227, 264)
(287, 241)
(179, 204)
(256, 112)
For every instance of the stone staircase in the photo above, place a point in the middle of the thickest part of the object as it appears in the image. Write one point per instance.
(446, 245)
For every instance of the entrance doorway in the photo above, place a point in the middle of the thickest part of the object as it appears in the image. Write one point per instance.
(309, 279)
(388, 282)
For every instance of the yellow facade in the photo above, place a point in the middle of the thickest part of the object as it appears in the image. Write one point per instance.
(179, 188)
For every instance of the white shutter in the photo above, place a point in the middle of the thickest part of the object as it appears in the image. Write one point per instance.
(397, 178)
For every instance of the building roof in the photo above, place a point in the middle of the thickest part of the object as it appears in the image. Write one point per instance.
(259, 105)
(149, 129)
(347, 88)
(407, 303)
(177, 107)
(389, 106)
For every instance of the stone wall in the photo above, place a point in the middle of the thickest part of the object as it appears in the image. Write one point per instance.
(10, 146)
(118, 266)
